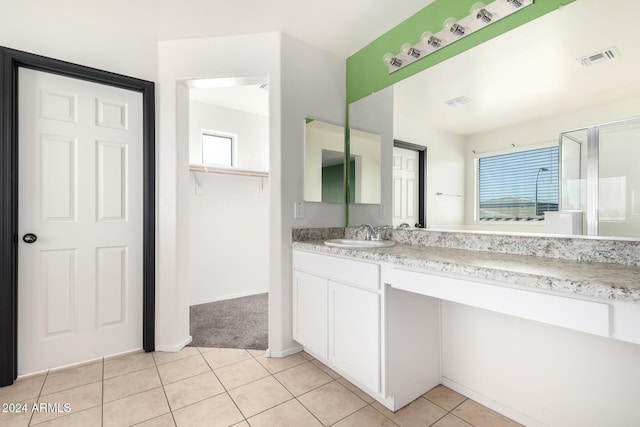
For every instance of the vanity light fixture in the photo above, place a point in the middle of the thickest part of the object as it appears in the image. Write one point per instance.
(479, 17)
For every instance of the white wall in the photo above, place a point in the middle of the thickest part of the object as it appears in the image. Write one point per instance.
(554, 376)
(228, 215)
(374, 114)
(313, 85)
(39, 28)
(228, 237)
(303, 82)
(445, 170)
(251, 131)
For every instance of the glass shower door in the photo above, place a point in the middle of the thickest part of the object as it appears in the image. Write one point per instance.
(619, 179)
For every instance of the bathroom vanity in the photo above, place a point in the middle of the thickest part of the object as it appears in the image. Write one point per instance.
(374, 315)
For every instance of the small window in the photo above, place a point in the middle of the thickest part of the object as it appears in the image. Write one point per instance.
(518, 186)
(217, 150)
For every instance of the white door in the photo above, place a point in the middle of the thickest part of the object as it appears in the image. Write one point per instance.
(405, 186)
(310, 315)
(80, 193)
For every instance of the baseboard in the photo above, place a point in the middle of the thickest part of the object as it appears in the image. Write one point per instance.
(226, 297)
(492, 404)
(176, 347)
(284, 353)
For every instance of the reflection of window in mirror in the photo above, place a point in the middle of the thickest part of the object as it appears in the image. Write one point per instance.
(517, 185)
(217, 149)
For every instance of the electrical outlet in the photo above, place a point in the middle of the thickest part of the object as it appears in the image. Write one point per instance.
(383, 211)
(298, 210)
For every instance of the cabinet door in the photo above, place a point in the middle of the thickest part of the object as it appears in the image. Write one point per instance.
(310, 312)
(354, 333)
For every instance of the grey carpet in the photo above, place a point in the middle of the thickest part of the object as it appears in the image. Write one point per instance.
(234, 323)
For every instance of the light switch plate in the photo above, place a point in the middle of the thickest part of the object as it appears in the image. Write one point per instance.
(298, 210)
(383, 211)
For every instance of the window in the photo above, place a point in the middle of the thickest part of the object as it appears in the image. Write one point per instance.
(518, 186)
(217, 150)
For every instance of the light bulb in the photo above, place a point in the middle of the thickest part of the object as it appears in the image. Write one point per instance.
(453, 27)
(515, 3)
(481, 13)
(431, 40)
(392, 60)
(409, 50)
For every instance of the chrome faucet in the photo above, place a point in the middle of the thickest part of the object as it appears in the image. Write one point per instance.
(370, 232)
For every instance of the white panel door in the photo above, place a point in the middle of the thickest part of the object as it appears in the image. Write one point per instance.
(405, 186)
(80, 193)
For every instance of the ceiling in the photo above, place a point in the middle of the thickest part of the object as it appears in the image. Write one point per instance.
(531, 72)
(337, 26)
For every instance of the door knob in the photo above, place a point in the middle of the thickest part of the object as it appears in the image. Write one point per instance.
(29, 238)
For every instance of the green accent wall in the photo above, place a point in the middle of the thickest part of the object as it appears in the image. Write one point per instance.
(367, 73)
(333, 182)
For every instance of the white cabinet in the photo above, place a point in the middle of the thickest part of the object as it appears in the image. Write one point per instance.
(354, 333)
(310, 312)
(336, 314)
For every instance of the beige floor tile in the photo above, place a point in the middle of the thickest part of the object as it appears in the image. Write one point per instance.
(481, 416)
(256, 353)
(331, 402)
(259, 396)
(241, 373)
(444, 397)
(306, 355)
(303, 378)
(165, 420)
(327, 370)
(225, 356)
(22, 389)
(418, 413)
(368, 417)
(215, 411)
(87, 418)
(451, 420)
(289, 414)
(206, 349)
(162, 357)
(355, 390)
(183, 368)
(135, 382)
(277, 364)
(129, 363)
(192, 390)
(18, 417)
(78, 399)
(241, 424)
(72, 377)
(135, 409)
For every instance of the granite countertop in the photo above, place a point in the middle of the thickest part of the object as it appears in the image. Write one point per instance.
(594, 279)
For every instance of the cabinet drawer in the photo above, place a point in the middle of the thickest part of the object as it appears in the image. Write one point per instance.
(362, 274)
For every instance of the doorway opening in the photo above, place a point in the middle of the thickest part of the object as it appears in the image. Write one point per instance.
(409, 171)
(228, 271)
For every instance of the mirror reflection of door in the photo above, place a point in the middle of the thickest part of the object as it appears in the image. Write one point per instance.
(408, 184)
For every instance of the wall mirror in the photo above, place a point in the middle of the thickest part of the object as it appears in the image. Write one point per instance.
(325, 164)
(570, 69)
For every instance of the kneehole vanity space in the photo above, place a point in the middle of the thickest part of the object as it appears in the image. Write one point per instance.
(398, 321)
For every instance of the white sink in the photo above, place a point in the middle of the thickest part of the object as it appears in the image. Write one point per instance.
(358, 243)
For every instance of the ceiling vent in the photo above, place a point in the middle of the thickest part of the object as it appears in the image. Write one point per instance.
(458, 102)
(598, 57)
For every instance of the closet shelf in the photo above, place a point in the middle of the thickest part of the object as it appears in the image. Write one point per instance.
(228, 171)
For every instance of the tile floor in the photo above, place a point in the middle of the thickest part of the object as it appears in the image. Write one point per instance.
(220, 387)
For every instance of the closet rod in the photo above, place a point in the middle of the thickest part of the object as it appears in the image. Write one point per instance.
(241, 172)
